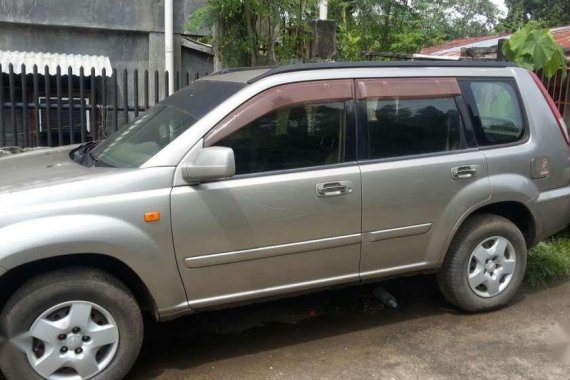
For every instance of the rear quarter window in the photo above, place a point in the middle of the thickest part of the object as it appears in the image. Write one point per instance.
(496, 111)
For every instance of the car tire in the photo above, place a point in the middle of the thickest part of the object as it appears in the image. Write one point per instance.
(485, 264)
(95, 317)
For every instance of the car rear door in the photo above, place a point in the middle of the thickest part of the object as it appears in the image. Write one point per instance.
(421, 171)
(291, 218)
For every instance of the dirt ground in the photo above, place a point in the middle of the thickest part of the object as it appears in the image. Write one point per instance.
(348, 334)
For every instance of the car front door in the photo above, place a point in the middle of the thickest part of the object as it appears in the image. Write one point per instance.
(290, 219)
(421, 171)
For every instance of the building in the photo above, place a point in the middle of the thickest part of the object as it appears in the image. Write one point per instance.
(130, 33)
(99, 35)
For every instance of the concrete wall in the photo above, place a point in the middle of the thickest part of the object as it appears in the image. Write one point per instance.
(134, 15)
(125, 49)
(129, 32)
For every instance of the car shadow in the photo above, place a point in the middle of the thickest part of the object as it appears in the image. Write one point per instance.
(207, 337)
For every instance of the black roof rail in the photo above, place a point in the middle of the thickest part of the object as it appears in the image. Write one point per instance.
(236, 69)
(383, 64)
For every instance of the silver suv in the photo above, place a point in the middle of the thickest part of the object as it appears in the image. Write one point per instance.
(252, 184)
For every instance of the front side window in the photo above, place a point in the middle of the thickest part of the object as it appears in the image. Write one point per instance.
(404, 127)
(497, 111)
(291, 137)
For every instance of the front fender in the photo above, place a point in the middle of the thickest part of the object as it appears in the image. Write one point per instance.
(150, 255)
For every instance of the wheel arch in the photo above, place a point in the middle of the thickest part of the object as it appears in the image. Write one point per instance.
(17, 276)
(518, 213)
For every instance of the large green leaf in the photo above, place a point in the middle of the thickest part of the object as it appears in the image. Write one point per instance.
(540, 47)
(557, 61)
(535, 49)
(517, 40)
(526, 61)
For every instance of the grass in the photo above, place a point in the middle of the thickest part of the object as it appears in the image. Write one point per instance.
(549, 261)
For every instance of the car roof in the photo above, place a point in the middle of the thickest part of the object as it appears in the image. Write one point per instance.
(253, 74)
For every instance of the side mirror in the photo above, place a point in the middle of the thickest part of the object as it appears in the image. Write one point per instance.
(209, 164)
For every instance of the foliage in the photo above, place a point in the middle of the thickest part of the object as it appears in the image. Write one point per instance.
(549, 12)
(535, 49)
(549, 261)
(405, 26)
(253, 32)
(256, 32)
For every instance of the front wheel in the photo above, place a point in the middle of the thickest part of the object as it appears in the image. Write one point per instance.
(485, 264)
(71, 324)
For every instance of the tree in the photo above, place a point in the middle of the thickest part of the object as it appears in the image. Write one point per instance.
(253, 32)
(548, 12)
(256, 32)
(405, 26)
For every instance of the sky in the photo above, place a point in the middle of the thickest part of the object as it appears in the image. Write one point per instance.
(501, 5)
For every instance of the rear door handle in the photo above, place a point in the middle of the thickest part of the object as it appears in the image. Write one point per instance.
(332, 189)
(465, 171)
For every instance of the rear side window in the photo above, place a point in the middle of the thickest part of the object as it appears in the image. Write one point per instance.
(496, 111)
(404, 127)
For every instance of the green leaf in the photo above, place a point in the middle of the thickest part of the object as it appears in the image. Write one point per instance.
(517, 40)
(508, 52)
(540, 47)
(525, 61)
(555, 64)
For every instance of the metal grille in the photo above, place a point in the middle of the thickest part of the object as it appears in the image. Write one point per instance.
(82, 106)
(559, 88)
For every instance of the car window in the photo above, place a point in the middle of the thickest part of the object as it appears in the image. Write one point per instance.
(143, 137)
(498, 112)
(404, 127)
(291, 137)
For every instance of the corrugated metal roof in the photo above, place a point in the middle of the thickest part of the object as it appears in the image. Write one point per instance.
(52, 60)
(453, 48)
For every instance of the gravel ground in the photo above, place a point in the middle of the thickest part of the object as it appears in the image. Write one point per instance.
(347, 334)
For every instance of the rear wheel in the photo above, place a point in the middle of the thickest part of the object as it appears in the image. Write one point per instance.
(71, 324)
(485, 264)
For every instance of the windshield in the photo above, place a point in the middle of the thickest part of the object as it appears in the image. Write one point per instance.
(144, 137)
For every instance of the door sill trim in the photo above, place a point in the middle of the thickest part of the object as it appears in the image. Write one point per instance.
(395, 270)
(267, 292)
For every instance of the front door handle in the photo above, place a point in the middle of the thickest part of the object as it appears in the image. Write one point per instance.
(465, 171)
(332, 189)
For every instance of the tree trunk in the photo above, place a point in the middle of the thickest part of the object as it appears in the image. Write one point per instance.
(251, 33)
(386, 27)
(273, 15)
(300, 38)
